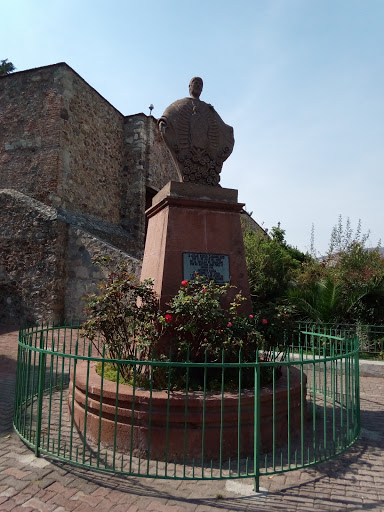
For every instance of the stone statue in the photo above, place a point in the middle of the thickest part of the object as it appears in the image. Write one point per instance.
(197, 137)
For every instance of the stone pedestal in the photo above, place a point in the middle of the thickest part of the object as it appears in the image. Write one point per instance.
(189, 218)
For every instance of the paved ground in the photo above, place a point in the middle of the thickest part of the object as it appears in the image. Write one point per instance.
(353, 481)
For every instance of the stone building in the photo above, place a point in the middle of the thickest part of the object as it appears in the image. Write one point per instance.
(76, 177)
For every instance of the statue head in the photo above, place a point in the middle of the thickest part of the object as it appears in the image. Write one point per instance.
(195, 87)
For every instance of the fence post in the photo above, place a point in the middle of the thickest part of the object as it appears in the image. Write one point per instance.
(256, 454)
(357, 382)
(40, 392)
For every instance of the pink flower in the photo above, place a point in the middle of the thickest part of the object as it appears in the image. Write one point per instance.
(229, 324)
(251, 316)
(184, 283)
(168, 319)
(203, 290)
(264, 321)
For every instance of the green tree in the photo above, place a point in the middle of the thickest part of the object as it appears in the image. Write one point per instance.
(6, 67)
(278, 234)
(272, 265)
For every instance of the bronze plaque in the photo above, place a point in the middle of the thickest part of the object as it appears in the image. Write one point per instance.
(212, 266)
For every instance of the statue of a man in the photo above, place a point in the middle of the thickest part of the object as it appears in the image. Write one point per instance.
(197, 137)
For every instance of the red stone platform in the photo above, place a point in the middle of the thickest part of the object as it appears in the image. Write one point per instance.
(142, 419)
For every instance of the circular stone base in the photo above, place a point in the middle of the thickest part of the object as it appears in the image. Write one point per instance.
(166, 426)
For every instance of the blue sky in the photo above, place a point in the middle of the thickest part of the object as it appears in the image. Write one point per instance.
(301, 82)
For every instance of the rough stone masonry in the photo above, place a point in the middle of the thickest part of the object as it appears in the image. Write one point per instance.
(75, 179)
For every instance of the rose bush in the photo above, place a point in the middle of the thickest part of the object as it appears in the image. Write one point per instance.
(201, 323)
(125, 317)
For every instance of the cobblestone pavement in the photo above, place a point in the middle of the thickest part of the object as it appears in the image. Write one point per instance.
(354, 481)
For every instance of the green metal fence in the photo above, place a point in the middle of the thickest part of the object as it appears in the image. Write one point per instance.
(371, 337)
(231, 426)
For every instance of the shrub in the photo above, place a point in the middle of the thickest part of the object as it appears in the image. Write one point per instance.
(346, 287)
(197, 321)
(201, 329)
(123, 317)
(197, 327)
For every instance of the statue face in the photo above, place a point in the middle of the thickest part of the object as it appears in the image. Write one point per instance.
(195, 87)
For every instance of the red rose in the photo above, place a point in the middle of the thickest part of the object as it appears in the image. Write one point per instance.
(168, 319)
(229, 324)
(203, 290)
(251, 316)
(264, 321)
(184, 283)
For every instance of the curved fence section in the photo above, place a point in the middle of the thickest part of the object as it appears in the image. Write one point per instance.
(371, 337)
(283, 411)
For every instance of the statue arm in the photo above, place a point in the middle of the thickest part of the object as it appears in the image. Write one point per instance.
(162, 124)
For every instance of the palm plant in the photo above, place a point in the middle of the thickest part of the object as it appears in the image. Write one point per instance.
(329, 301)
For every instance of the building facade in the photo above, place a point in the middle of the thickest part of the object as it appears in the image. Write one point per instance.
(75, 179)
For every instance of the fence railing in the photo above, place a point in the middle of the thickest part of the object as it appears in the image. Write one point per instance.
(371, 337)
(209, 420)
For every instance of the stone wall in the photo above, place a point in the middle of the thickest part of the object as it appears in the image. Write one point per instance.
(248, 223)
(60, 141)
(147, 166)
(79, 177)
(66, 146)
(46, 263)
(30, 130)
(83, 274)
(91, 150)
(33, 240)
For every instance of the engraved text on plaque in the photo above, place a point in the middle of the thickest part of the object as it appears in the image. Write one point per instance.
(213, 266)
